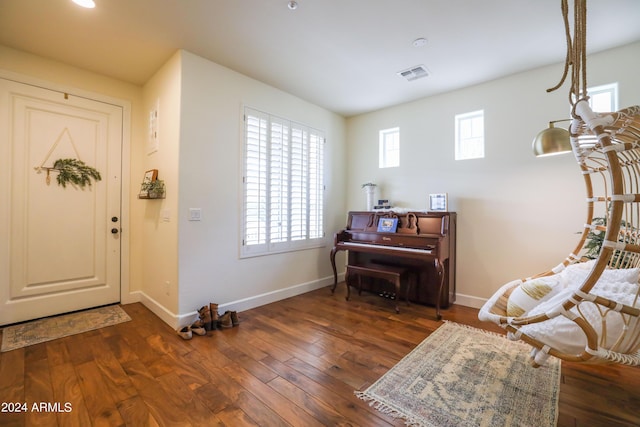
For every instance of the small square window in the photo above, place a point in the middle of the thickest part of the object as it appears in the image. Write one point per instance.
(390, 148)
(603, 99)
(469, 135)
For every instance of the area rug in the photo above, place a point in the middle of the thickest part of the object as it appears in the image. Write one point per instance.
(51, 328)
(463, 376)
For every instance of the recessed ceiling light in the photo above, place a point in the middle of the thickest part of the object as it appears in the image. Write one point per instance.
(89, 4)
(293, 5)
(419, 42)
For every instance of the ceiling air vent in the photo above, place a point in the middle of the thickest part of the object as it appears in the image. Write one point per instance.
(414, 73)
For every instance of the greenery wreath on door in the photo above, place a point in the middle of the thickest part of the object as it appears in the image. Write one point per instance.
(76, 172)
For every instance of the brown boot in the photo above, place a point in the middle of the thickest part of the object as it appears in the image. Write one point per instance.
(234, 318)
(214, 315)
(224, 322)
(205, 317)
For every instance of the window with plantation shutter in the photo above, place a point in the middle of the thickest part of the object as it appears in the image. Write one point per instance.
(282, 185)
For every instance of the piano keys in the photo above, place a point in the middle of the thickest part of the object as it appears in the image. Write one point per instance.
(424, 243)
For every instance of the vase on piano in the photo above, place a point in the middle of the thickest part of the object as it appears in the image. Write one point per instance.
(370, 192)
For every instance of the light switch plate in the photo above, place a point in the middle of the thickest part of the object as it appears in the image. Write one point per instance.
(195, 214)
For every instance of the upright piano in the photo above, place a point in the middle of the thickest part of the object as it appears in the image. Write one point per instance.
(424, 243)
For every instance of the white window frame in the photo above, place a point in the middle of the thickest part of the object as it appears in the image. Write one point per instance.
(389, 148)
(610, 89)
(282, 185)
(469, 134)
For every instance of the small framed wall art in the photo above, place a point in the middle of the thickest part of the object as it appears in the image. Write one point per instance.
(438, 202)
(150, 175)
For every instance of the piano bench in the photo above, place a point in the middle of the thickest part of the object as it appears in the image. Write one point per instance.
(390, 273)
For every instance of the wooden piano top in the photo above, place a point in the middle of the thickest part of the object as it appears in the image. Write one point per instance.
(409, 223)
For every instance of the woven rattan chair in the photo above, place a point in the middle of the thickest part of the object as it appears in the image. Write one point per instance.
(588, 310)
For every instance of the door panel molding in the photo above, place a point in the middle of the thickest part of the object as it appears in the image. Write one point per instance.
(18, 303)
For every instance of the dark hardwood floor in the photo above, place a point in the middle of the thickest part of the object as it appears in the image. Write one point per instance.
(295, 362)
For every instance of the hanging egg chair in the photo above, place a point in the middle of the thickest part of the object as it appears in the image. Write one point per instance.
(587, 309)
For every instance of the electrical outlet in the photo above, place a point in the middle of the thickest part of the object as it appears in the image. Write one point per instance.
(167, 288)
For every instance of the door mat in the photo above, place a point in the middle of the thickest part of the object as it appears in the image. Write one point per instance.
(51, 328)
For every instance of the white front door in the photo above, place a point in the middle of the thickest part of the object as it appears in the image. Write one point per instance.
(60, 247)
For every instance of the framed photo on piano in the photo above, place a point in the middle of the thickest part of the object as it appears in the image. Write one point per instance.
(438, 202)
(388, 225)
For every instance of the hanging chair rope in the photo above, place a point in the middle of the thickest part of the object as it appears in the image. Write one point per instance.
(576, 56)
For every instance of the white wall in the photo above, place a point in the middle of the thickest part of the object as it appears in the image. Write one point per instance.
(157, 219)
(517, 215)
(210, 270)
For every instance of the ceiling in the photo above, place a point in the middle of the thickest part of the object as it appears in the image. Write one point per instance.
(343, 55)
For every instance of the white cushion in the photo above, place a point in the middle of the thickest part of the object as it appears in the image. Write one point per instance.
(563, 334)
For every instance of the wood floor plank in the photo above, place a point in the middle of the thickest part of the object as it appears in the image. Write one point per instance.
(341, 404)
(285, 409)
(58, 353)
(113, 375)
(179, 395)
(66, 390)
(155, 397)
(135, 412)
(318, 409)
(236, 417)
(100, 403)
(12, 375)
(38, 391)
(12, 387)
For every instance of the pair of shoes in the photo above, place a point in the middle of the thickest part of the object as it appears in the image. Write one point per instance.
(198, 328)
(185, 333)
(228, 320)
(205, 317)
(209, 316)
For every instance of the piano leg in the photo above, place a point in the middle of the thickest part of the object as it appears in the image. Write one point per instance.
(347, 280)
(440, 273)
(332, 256)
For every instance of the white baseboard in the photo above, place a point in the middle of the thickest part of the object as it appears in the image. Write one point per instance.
(470, 301)
(280, 294)
(177, 320)
(166, 315)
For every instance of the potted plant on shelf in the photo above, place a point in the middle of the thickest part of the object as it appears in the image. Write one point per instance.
(153, 189)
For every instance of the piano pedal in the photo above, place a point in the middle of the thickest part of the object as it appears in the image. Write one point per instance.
(388, 295)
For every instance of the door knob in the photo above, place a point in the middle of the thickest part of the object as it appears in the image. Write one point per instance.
(114, 219)
(114, 231)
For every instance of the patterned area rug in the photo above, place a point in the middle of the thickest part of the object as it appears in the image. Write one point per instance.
(463, 376)
(51, 328)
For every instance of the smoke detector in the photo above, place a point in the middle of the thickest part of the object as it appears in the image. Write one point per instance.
(414, 73)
